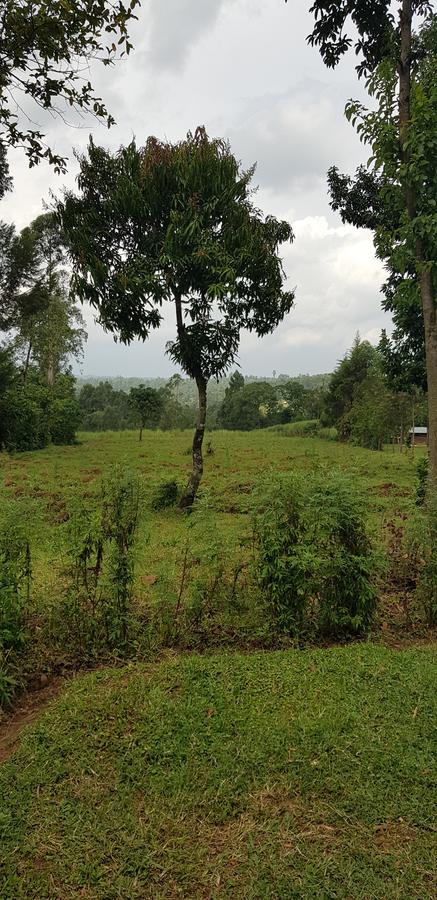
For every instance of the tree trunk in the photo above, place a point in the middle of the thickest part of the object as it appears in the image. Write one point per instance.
(141, 434)
(430, 319)
(195, 478)
(27, 362)
(426, 291)
(50, 375)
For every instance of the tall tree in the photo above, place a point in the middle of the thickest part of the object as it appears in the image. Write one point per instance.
(401, 70)
(176, 223)
(36, 304)
(44, 48)
(358, 364)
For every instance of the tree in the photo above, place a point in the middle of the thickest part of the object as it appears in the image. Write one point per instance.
(147, 404)
(176, 223)
(372, 417)
(103, 409)
(236, 382)
(253, 406)
(355, 367)
(44, 49)
(292, 402)
(37, 303)
(401, 70)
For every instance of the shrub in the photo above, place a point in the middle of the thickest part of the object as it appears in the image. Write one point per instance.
(165, 495)
(314, 558)
(100, 542)
(64, 421)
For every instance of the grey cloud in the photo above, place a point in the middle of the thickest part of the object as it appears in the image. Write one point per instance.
(295, 136)
(175, 25)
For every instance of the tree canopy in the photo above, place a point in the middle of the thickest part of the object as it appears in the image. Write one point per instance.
(175, 223)
(44, 48)
(401, 128)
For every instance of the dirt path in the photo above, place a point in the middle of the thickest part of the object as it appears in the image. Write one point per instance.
(31, 705)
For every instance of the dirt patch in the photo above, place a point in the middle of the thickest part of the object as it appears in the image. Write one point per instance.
(31, 706)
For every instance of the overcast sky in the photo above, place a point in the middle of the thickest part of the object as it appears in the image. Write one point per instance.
(244, 70)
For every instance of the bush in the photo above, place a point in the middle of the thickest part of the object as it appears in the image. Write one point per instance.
(165, 495)
(314, 559)
(96, 614)
(64, 421)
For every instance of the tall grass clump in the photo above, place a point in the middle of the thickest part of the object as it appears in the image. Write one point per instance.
(314, 559)
(96, 615)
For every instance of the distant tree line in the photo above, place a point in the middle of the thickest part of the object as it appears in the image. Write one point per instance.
(104, 409)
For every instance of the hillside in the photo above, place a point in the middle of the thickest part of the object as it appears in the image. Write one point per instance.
(186, 389)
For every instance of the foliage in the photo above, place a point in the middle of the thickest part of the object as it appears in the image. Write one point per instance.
(176, 224)
(104, 409)
(400, 127)
(44, 49)
(211, 246)
(37, 306)
(166, 495)
(96, 612)
(15, 574)
(314, 557)
(236, 382)
(252, 406)
(371, 420)
(354, 368)
(147, 404)
(5, 179)
(32, 414)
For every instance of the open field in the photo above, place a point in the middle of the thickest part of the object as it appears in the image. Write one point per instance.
(287, 773)
(291, 774)
(175, 553)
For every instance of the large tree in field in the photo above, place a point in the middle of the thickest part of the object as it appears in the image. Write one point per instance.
(401, 71)
(45, 46)
(176, 224)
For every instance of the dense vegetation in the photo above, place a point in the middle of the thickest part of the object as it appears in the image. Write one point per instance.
(262, 559)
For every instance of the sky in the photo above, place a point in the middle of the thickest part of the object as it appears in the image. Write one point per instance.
(243, 69)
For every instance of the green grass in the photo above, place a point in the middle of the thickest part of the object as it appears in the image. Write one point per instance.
(269, 775)
(51, 477)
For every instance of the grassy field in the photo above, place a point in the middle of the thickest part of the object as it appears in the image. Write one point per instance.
(260, 771)
(176, 554)
(291, 774)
